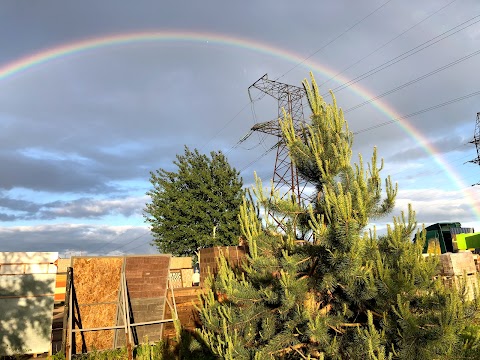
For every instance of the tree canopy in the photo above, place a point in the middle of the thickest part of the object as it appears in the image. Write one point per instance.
(195, 206)
(346, 293)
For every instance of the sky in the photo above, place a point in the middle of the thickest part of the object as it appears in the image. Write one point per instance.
(95, 95)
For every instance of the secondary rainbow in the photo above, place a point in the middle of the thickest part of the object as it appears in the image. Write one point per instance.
(70, 49)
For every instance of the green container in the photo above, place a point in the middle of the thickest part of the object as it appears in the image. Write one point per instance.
(441, 233)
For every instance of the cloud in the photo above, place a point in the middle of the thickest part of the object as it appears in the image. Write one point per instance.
(77, 239)
(20, 170)
(81, 208)
(94, 208)
(434, 205)
(444, 145)
(80, 133)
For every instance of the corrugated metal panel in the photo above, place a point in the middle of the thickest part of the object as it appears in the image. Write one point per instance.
(462, 230)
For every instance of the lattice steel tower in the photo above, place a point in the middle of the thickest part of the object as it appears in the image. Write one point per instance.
(289, 97)
(476, 141)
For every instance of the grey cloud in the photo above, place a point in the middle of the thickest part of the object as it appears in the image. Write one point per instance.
(93, 208)
(18, 205)
(77, 239)
(446, 144)
(82, 208)
(41, 174)
(111, 115)
(7, 217)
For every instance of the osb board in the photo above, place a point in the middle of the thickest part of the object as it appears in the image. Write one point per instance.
(96, 279)
(181, 262)
(28, 257)
(93, 316)
(186, 277)
(94, 340)
(63, 264)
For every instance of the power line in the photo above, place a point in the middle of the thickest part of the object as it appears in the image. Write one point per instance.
(414, 81)
(392, 121)
(96, 249)
(136, 247)
(323, 47)
(258, 158)
(407, 54)
(334, 39)
(308, 57)
(390, 41)
(225, 125)
(418, 112)
(131, 241)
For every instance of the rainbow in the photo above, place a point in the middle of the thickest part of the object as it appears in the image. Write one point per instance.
(45, 56)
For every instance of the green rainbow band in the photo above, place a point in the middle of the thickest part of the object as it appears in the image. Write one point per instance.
(45, 56)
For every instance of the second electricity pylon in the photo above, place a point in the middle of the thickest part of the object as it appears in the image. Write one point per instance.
(289, 97)
(476, 141)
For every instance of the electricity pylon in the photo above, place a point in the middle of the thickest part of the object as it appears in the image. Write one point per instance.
(285, 175)
(476, 141)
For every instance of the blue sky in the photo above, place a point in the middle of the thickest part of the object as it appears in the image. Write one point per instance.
(81, 133)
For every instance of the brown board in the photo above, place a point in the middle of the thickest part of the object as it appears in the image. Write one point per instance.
(147, 283)
(96, 284)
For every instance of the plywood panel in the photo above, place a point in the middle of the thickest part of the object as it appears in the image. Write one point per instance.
(63, 264)
(181, 262)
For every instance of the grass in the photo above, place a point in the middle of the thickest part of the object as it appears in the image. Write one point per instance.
(158, 351)
(188, 348)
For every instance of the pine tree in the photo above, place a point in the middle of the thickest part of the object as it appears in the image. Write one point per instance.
(196, 206)
(346, 294)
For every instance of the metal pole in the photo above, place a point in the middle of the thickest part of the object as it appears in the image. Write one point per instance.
(123, 326)
(70, 320)
(173, 300)
(99, 328)
(127, 317)
(66, 310)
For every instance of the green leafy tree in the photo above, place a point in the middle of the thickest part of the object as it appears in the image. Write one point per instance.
(195, 206)
(345, 294)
